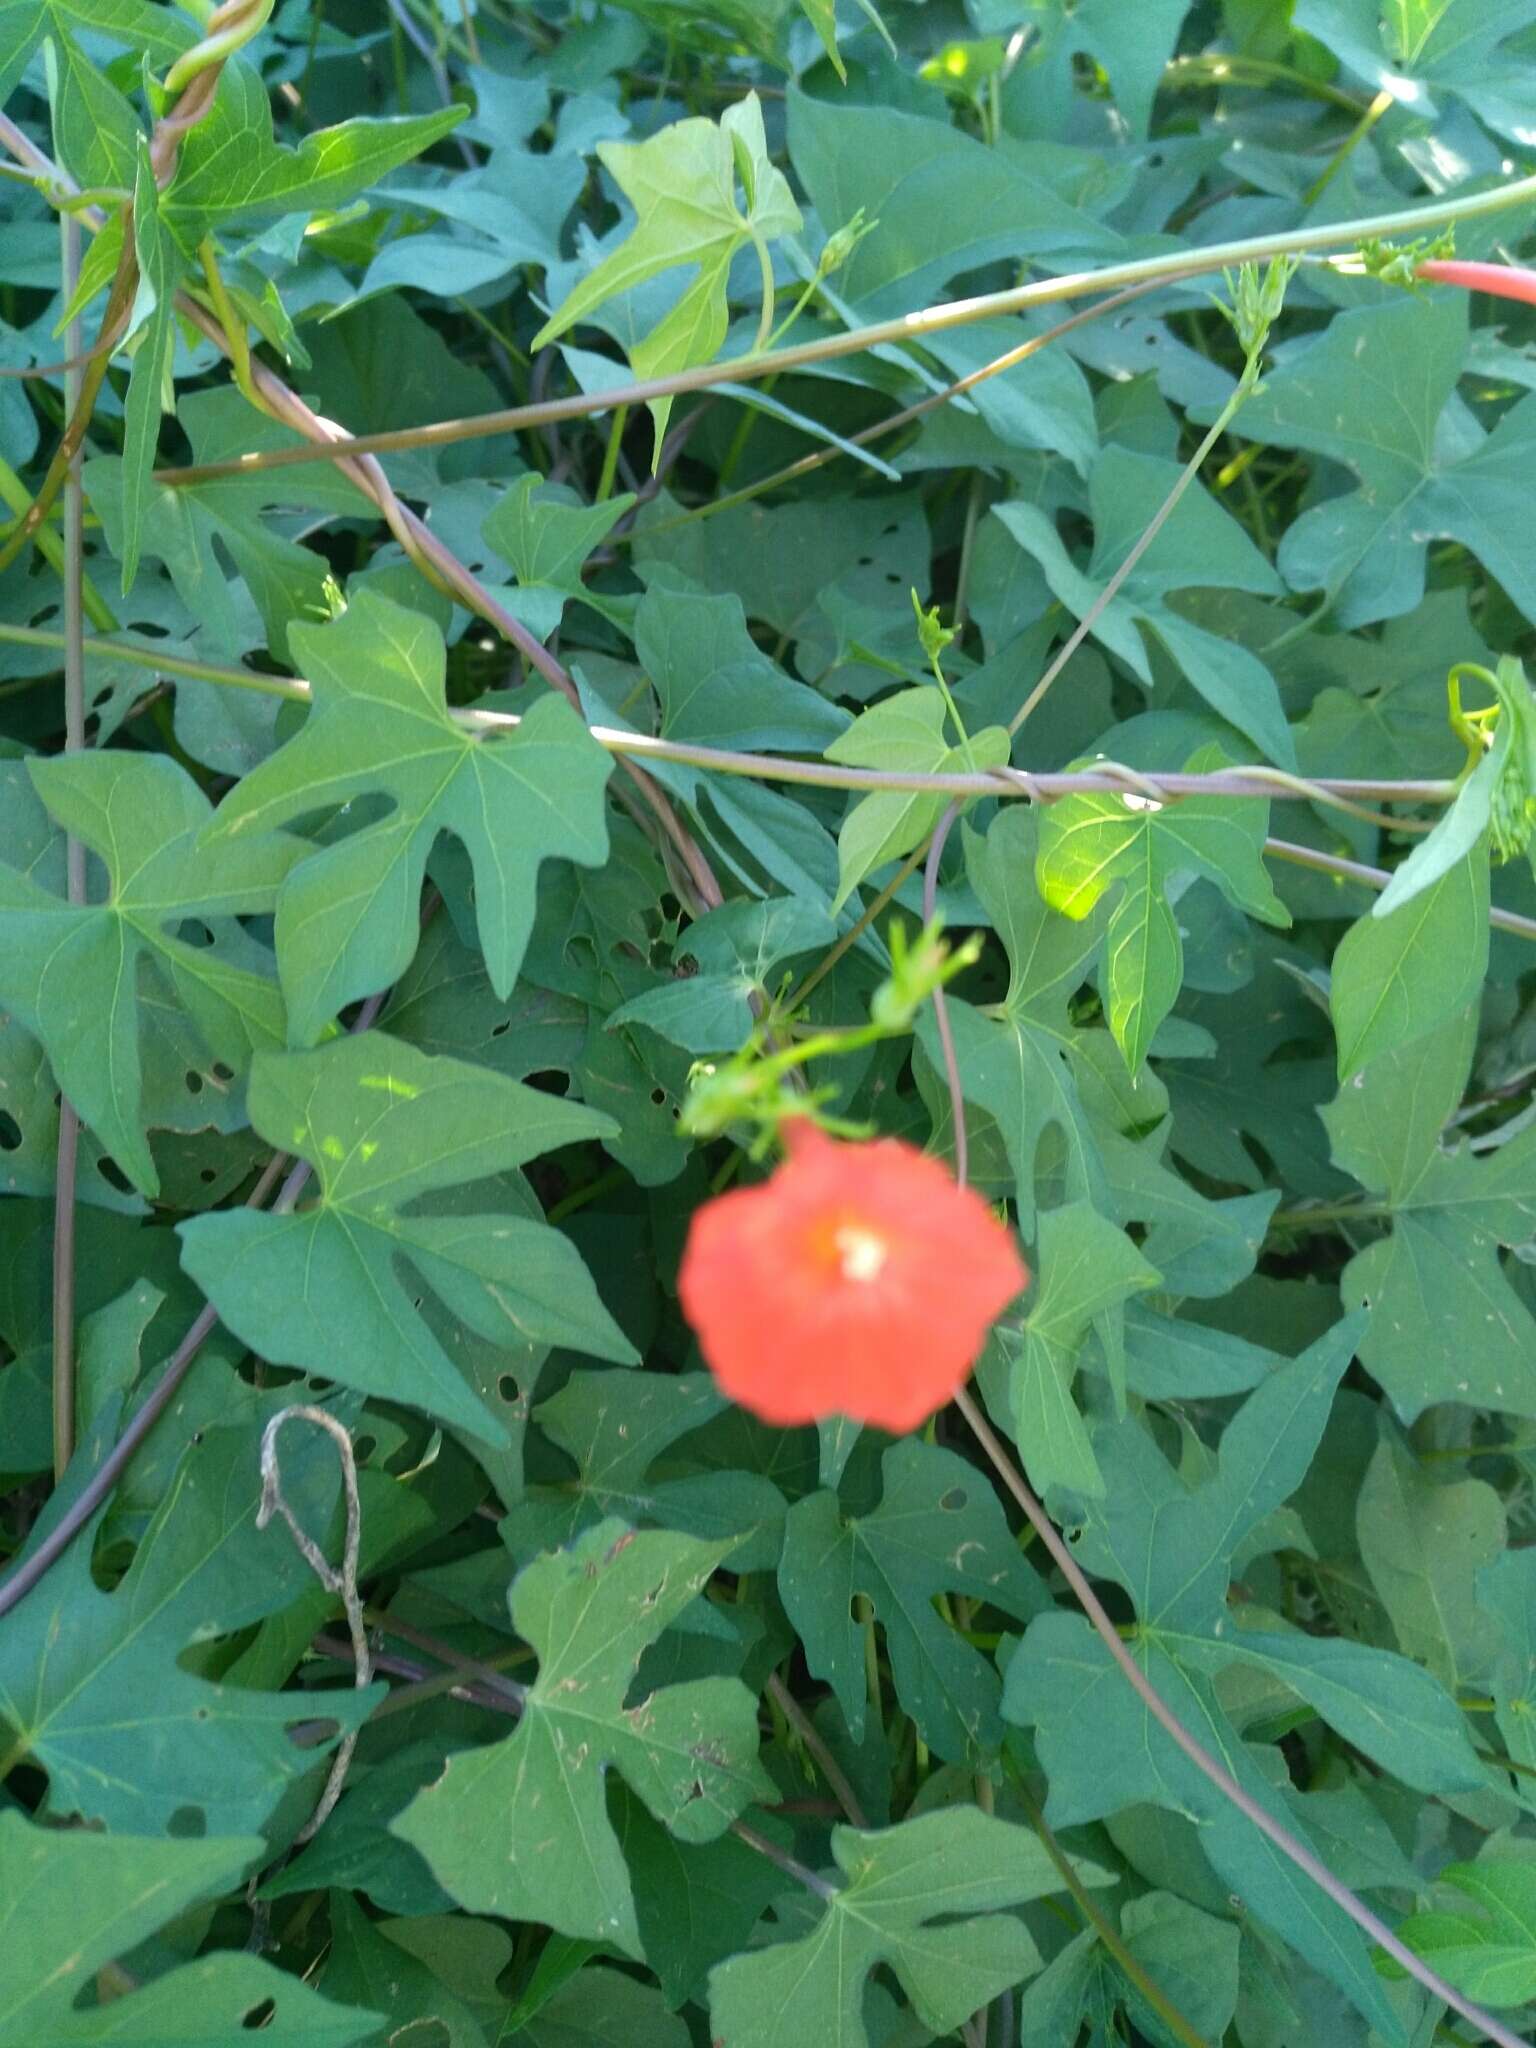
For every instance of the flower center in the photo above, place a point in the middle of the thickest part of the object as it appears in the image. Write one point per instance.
(861, 1253)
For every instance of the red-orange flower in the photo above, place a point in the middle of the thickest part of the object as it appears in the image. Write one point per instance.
(859, 1280)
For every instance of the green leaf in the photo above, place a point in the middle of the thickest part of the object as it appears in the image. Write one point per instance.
(1490, 1955)
(1446, 1325)
(1506, 1594)
(682, 183)
(72, 973)
(1171, 1548)
(905, 733)
(192, 527)
(1376, 392)
(136, 25)
(546, 533)
(96, 135)
(1424, 1542)
(348, 918)
(1199, 546)
(897, 1882)
(1023, 1065)
(1088, 1269)
(695, 1902)
(1091, 840)
(943, 204)
(615, 1427)
(72, 1902)
(92, 1689)
(1395, 978)
(519, 1828)
(365, 1968)
(231, 169)
(715, 687)
(1131, 44)
(161, 270)
(1191, 1956)
(938, 1528)
(383, 1126)
(1471, 49)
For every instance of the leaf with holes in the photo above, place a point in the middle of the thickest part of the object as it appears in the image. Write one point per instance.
(1446, 1323)
(72, 1902)
(80, 977)
(193, 527)
(1094, 839)
(936, 1530)
(348, 919)
(388, 1128)
(92, 1688)
(520, 1828)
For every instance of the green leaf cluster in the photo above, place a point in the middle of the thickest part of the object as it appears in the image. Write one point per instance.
(396, 850)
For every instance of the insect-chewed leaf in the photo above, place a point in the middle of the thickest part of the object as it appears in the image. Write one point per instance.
(91, 1690)
(384, 1125)
(73, 1901)
(348, 919)
(520, 1828)
(938, 1528)
(1446, 1324)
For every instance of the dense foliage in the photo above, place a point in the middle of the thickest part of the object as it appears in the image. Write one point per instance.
(1100, 758)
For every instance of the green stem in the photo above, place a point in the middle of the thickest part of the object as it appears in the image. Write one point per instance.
(1348, 146)
(1153, 528)
(1326, 1215)
(1130, 1968)
(616, 428)
(904, 330)
(67, 1162)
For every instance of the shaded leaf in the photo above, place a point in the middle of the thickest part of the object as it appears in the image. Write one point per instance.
(347, 923)
(320, 1287)
(73, 1902)
(938, 1528)
(72, 972)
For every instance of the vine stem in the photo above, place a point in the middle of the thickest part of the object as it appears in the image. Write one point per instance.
(1256, 779)
(1378, 878)
(1148, 534)
(1289, 1845)
(67, 1163)
(906, 328)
